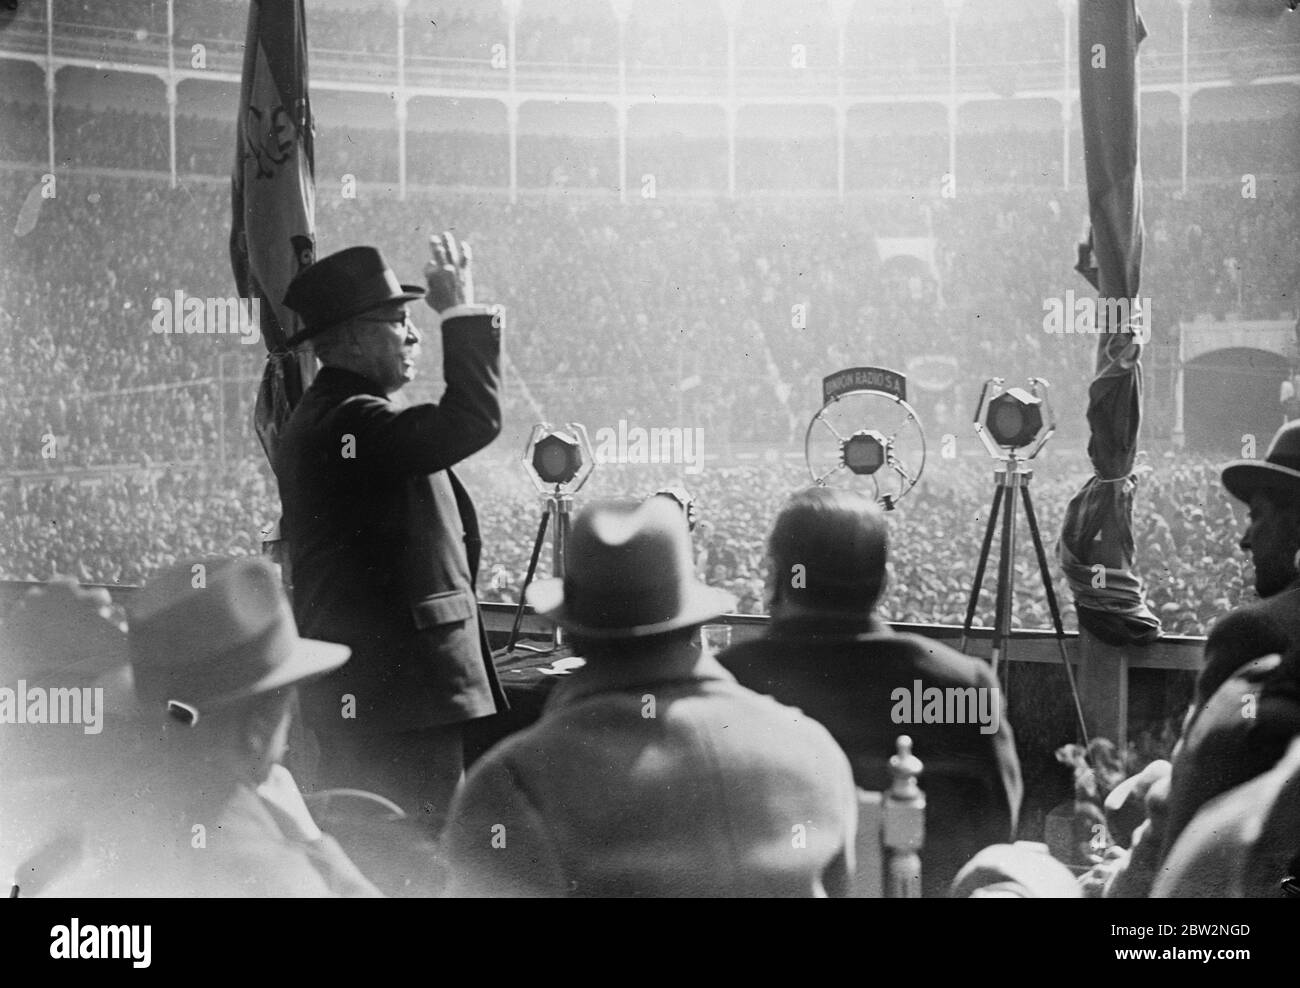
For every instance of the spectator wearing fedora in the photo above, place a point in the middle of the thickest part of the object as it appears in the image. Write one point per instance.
(651, 771)
(1271, 489)
(383, 537)
(829, 655)
(215, 657)
(1244, 709)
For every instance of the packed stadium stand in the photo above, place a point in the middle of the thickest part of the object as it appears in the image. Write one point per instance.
(671, 307)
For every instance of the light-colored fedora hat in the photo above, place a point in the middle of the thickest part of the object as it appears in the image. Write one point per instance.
(207, 632)
(628, 574)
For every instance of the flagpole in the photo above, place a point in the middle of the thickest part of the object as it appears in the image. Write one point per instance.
(273, 200)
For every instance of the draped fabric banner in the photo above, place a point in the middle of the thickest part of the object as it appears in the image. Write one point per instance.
(273, 224)
(1096, 547)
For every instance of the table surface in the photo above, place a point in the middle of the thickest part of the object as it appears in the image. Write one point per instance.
(527, 678)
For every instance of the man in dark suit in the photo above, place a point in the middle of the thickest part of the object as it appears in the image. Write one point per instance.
(1245, 710)
(826, 653)
(383, 538)
(1231, 733)
(1272, 624)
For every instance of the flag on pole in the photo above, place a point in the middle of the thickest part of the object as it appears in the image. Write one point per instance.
(1096, 547)
(273, 225)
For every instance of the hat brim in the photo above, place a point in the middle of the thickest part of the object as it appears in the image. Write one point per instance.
(1244, 478)
(311, 658)
(702, 603)
(409, 293)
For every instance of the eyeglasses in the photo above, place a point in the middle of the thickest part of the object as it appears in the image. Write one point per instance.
(403, 320)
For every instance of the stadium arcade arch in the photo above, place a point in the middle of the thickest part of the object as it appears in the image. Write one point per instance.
(1228, 381)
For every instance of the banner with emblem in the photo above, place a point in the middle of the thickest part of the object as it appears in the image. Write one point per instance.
(273, 224)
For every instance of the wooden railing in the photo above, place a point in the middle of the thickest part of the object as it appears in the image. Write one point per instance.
(1102, 671)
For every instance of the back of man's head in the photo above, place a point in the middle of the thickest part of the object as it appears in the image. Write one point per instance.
(827, 553)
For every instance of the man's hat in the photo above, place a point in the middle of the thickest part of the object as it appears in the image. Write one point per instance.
(61, 630)
(1278, 471)
(208, 632)
(343, 285)
(628, 574)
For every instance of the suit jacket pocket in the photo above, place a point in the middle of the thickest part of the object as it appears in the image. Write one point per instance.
(443, 608)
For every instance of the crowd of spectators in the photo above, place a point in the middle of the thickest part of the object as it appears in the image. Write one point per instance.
(1004, 46)
(120, 527)
(715, 286)
(1186, 530)
(692, 311)
(77, 329)
(875, 158)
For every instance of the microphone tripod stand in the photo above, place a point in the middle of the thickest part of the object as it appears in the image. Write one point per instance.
(1010, 477)
(557, 511)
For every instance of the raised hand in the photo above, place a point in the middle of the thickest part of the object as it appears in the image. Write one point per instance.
(449, 274)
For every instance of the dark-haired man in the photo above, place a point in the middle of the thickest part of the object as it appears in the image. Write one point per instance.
(827, 654)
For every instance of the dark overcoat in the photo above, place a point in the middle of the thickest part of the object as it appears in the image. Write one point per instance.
(384, 540)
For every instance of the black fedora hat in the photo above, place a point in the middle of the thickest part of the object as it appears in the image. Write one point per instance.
(628, 574)
(1279, 470)
(341, 286)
